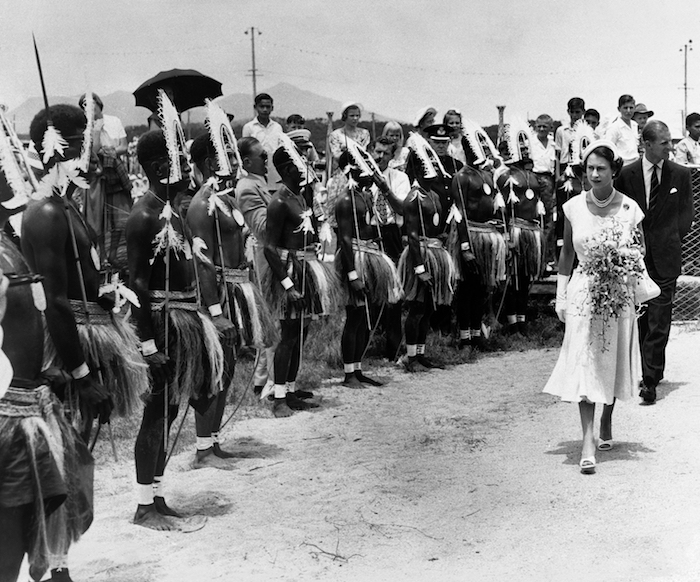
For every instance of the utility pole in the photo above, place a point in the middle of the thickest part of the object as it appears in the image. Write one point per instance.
(501, 109)
(686, 47)
(253, 70)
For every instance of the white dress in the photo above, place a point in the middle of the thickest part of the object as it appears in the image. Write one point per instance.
(591, 368)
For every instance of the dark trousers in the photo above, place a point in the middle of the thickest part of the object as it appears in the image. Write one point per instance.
(654, 328)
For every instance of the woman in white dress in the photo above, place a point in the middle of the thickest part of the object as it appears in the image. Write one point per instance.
(599, 360)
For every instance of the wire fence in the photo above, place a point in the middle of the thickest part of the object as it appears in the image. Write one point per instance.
(686, 306)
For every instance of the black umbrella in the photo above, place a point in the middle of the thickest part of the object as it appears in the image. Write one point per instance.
(189, 89)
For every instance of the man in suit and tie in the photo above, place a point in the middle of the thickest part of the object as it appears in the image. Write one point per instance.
(662, 189)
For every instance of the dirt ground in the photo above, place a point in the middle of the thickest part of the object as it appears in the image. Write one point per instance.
(464, 474)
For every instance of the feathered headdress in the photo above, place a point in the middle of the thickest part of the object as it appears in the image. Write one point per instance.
(584, 135)
(14, 166)
(174, 136)
(307, 175)
(361, 159)
(86, 150)
(427, 156)
(516, 135)
(478, 145)
(223, 138)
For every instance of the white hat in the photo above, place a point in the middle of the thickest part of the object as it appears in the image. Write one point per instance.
(422, 112)
(349, 104)
(600, 143)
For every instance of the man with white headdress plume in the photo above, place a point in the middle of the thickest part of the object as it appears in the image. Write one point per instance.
(521, 189)
(426, 268)
(368, 273)
(298, 286)
(479, 252)
(47, 472)
(234, 303)
(178, 339)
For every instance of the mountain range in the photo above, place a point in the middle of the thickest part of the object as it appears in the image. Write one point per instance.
(288, 99)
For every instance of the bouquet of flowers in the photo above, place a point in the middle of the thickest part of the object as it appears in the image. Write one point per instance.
(614, 260)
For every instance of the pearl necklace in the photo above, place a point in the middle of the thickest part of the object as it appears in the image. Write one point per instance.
(602, 203)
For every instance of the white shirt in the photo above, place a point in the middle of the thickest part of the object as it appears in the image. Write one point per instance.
(646, 170)
(111, 130)
(542, 156)
(400, 186)
(268, 136)
(688, 152)
(626, 138)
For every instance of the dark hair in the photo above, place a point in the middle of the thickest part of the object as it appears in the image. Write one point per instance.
(692, 118)
(593, 112)
(65, 118)
(296, 118)
(344, 160)
(383, 140)
(652, 129)
(95, 97)
(607, 154)
(151, 146)
(261, 96)
(246, 145)
(201, 148)
(575, 103)
(624, 99)
(344, 115)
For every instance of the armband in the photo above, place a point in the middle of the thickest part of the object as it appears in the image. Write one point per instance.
(148, 348)
(81, 371)
(353, 276)
(287, 283)
(465, 246)
(419, 270)
(215, 310)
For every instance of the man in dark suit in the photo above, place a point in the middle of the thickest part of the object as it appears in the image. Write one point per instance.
(662, 190)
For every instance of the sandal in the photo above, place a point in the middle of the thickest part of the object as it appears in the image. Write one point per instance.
(605, 445)
(587, 465)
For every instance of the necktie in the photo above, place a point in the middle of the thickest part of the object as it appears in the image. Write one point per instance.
(381, 206)
(654, 187)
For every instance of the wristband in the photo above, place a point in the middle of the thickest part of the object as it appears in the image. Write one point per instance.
(287, 283)
(215, 310)
(419, 270)
(80, 372)
(353, 276)
(148, 348)
(465, 246)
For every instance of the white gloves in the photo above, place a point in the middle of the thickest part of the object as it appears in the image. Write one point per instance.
(560, 304)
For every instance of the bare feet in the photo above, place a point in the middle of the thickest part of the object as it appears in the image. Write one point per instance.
(222, 454)
(298, 404)
(303, 394)
(366, 379)
(164, 509)
(352, 381)
(280, 408)
(148, 516)
(209, 458)
(412, 365)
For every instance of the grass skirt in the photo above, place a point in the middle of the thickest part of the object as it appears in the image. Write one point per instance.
(376, 270)
(527, 238)
(43, 462)
(193, 346)
(111, 345)
(251, 315)
(489, 248)
(438, 264)
(321, 287)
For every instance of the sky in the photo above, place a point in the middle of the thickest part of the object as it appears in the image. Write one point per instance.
(393, 56)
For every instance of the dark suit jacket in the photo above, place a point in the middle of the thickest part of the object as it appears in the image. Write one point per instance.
(665, 227)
